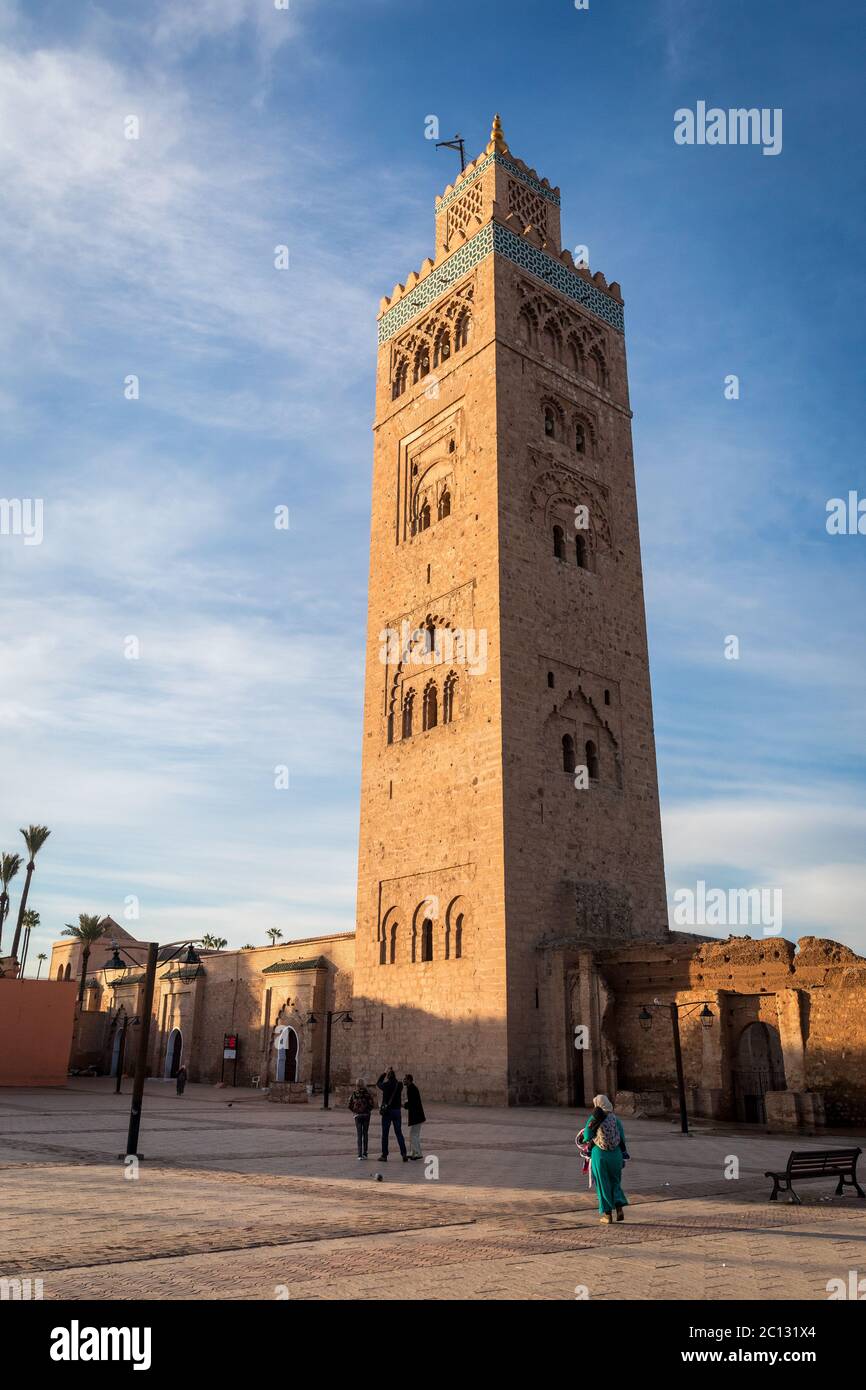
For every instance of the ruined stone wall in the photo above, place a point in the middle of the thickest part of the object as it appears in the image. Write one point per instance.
(812, 997)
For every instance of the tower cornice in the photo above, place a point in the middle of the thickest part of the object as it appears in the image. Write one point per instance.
(557, 273)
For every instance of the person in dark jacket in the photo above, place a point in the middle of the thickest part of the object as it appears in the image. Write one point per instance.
(392, 1099)
(415, 1116)
(361, 1104)
(181, 1080)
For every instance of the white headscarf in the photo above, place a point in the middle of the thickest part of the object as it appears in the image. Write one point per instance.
(603, 1104)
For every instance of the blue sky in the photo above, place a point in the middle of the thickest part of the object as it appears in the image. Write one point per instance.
(154, 257)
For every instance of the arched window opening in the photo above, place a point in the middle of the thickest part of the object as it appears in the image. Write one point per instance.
(558, 543)
(575, 355)
(422, 363)
(431, 707)
(458, 937)
(549, 422)
(551, 343)
(607, 697)
(68, 975)
(550, 680)
(401, 376)
(448, 699)
(442, 348)
(408, 704)
(444, 508)
(383, 948)
(526, 329)
(452, 445)
(568, 763)
(392, 955)
(581, 552)
(390, 726)
(595, 368)
(426, 939)
(60, 972)
(592, 760)
(423, 521)
(461, 332)
(580, 438)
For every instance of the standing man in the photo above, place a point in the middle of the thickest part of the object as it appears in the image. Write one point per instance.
(392, 1098)
(361, 1103)
(181, 1080)
(415, 1116)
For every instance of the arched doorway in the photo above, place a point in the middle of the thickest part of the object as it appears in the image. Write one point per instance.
(173, 1053)
(759, 1067)
(287, 1055)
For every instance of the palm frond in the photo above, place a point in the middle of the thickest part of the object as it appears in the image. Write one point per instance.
(34, 838)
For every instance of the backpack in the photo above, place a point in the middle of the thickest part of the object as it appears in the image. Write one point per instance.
(607, 1134)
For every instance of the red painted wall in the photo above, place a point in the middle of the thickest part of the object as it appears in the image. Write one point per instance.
(36, 1018)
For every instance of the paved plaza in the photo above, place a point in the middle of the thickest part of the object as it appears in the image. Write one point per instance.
(242, 1199)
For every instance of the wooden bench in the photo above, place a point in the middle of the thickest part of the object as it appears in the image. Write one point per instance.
(818, 1163)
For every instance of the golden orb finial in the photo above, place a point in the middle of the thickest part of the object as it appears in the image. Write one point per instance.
(497, 141)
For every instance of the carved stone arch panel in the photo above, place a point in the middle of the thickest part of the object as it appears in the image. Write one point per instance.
(560, 489)
(389, 936)
(424, 929)
(456, 943)
(434, 643)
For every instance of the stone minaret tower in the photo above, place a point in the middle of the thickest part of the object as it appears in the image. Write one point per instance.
(509, 794)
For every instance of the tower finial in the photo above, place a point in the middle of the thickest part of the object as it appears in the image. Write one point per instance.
(496, 143)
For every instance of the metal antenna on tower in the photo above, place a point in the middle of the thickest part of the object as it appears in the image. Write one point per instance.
(459, 144)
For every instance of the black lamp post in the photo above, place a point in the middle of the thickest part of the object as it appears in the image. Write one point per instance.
(645, 1020)
(330, 1016)
(114, 965)
(121, 1051)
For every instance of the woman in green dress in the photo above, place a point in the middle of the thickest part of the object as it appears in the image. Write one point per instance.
(606, 1157)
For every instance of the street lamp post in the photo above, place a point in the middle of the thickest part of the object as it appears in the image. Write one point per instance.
(330, 1016)
(121, 1051)
(153, 949)
(645, 1019)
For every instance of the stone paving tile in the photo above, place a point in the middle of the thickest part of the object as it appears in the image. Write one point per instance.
(239, 1197)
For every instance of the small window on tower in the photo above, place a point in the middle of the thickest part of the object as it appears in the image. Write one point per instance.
(607, 697)
(581, 552)
(550, 680)
(558, 543)
(567, 753)
(579, 438)
(444, 504)
(549, 422)
(592, 760)
(426, 939)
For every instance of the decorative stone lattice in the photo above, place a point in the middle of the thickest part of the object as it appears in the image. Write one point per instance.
(527, 205)
(465, 211)
(512, 168)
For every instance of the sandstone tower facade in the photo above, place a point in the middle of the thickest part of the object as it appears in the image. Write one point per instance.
(509, 800)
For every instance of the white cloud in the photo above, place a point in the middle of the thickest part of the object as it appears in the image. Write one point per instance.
(811, 846)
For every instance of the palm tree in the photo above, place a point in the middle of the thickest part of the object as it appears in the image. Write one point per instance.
(34, 838)
(214, 943)
(9, 866)
(41, 957)
(89, 930)
(275, 934)
(249, 947)
(31, 921)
